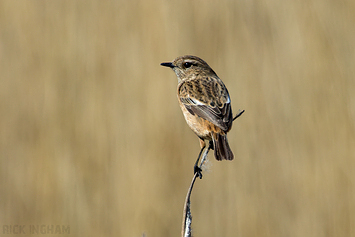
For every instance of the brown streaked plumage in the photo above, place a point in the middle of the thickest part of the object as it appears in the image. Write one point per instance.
(205, 103)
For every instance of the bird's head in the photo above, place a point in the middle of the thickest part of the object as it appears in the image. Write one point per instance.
(188, 66)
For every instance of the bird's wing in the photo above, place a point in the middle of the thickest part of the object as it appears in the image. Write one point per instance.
(208, 99)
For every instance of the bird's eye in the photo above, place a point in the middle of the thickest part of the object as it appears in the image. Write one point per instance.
(187, 64)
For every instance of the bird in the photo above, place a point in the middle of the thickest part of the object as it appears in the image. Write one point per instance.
(205, 103)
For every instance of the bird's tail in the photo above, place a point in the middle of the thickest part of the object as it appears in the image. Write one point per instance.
(222, 151)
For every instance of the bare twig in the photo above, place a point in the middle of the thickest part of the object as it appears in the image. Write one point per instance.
(238, 115)
(187, 218)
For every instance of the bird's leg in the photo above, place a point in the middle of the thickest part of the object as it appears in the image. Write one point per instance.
(203, 153)
(210, 145)
(198, 169)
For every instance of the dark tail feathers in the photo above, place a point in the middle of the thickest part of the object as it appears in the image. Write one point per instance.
(222, 151)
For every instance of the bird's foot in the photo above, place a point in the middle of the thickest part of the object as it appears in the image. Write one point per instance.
(198, 170)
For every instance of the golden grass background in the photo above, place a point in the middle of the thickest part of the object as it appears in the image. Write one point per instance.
(92, 135)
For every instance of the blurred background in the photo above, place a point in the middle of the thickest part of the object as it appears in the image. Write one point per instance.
(92, 137)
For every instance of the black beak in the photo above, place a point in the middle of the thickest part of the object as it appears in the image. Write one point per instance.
(167, 65)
